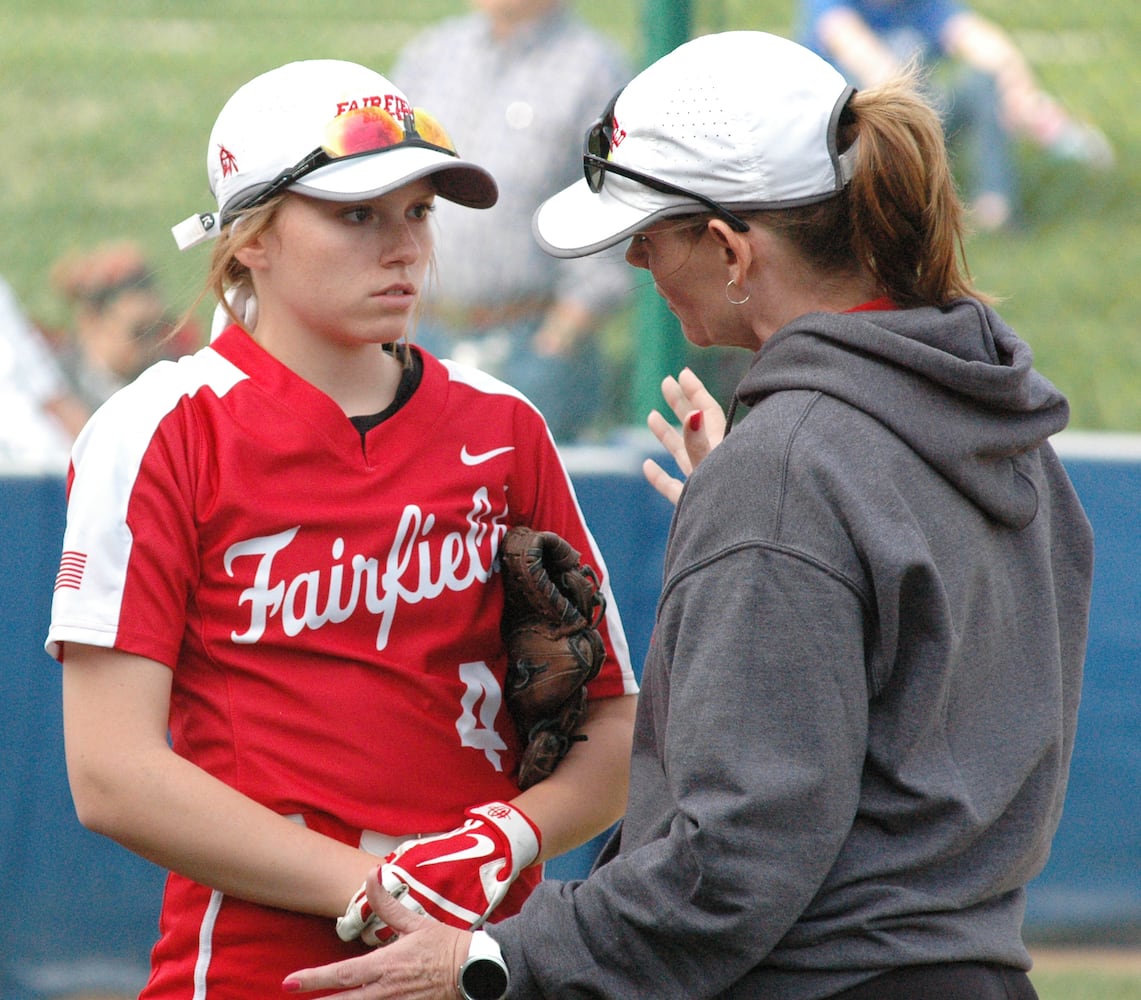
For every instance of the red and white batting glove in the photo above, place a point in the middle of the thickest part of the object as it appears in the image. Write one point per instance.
(457, 877)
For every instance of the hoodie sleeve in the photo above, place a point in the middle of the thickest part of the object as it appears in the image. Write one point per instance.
(717, 859)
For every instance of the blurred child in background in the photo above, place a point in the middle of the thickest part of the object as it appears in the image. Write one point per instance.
(120, 323)
(983, 86)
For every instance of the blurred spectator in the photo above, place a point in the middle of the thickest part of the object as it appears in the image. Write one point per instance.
(981, 82)
(39, 416)
(518, 81)
(120, 323)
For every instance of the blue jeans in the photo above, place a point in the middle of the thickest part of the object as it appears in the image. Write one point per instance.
(968, 103)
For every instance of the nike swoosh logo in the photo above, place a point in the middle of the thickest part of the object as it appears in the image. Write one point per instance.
(482, 848)
(484, 456)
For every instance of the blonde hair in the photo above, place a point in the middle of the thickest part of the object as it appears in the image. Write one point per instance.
(226, 271)
(900, 217)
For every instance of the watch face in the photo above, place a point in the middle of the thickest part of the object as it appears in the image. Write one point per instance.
(483, 979)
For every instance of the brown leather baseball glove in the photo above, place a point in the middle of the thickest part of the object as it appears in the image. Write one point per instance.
(550, 627)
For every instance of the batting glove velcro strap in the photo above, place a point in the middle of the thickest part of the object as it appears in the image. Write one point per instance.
(359, 921)
(458, 878)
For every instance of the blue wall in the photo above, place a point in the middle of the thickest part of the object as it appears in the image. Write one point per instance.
(1092, 884)
(76, 909)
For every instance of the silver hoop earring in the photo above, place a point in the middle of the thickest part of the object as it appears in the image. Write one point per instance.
(736, 302)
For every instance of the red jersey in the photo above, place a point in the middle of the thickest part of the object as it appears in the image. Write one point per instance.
(311, 589)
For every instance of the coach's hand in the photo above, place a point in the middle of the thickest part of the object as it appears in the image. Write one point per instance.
(702, 429)
(423, 965)
(457, 878)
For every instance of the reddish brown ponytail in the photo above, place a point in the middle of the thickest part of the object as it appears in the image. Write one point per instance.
(900, 217)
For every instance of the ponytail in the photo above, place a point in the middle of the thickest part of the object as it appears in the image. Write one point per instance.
(226, 271)
(900, 218)
(907, 219)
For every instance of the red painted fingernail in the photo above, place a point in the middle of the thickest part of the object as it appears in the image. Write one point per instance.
(695, 420)
(291, 985)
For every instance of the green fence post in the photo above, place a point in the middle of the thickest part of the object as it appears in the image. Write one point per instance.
(658, 346)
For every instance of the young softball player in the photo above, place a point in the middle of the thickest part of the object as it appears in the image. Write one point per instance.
(278, 610)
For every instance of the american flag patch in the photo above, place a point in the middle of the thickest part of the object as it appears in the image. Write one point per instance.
(71, 567)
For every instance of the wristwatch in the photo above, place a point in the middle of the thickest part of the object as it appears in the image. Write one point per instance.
(483, 976)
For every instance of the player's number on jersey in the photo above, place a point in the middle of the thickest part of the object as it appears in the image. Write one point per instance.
(481, 701)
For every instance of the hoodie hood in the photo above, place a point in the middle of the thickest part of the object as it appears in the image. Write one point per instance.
(956, 384)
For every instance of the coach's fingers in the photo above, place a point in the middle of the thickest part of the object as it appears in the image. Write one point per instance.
(670, 439)
(689, 449)
(698, 438)
(422, 964)
(361, 977)
(675, 397)
(712, 423)
(406, 914)
(695, 391)
(662, 481)
(687, 393)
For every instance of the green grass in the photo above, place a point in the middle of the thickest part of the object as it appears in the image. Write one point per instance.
(105, 109)
(1087, 985)
(1091, 975)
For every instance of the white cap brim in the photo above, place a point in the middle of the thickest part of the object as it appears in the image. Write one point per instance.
(457, 180)
(576, 222)
(746, 119)
(372, 176)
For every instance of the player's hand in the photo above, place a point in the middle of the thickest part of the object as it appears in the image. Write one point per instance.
(423, 965)
(458, 878)
(702, 429)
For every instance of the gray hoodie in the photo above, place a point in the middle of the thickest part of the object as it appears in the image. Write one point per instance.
(859, 703)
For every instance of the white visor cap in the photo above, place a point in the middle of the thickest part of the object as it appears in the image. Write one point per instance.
(744, 118)
(273, 123)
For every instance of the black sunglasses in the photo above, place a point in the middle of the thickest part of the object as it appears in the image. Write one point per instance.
(596, 164)
(373, 141)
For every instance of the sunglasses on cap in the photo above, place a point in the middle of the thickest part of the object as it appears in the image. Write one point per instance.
(359, 132)
(596, 164)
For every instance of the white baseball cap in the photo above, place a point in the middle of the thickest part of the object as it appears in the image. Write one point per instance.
(740, 120)
(328, 129)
